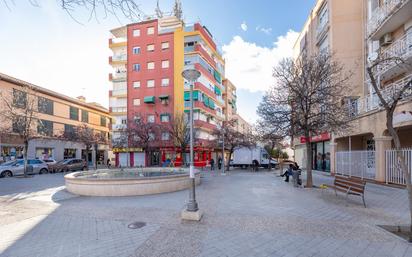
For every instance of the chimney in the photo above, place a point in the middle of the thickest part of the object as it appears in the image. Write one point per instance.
(81, 98)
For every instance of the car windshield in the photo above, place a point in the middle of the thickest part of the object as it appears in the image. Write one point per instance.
(62, 161)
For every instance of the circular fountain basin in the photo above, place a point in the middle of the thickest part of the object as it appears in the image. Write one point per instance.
(129, 182)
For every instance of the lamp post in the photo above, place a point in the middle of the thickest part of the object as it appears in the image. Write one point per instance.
(191, 75)
(223, 148)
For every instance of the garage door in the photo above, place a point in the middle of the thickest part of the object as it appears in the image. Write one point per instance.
(124, 159)
(138, 159)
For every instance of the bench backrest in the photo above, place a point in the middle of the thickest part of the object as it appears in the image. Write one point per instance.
(355, 184)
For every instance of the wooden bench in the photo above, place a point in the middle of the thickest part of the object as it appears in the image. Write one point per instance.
(349, 186)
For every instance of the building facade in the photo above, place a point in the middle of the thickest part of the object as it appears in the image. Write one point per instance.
(327, 30)
(360, 32)
(57, 114)
(147, 84)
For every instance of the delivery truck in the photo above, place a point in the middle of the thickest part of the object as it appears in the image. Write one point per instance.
(255, 156)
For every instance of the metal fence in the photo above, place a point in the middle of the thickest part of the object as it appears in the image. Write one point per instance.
(356, 163)
(394, 172)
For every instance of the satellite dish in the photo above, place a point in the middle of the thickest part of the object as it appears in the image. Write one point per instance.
(373, 56)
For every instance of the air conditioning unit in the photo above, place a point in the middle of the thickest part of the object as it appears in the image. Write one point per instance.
(386, 39)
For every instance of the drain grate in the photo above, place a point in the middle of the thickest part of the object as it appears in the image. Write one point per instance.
(136, 225)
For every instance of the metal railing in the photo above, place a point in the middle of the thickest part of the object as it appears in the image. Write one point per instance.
(381, 14)
(356, 163)
(120, 57)
(119, 92)
(372, 102)
(401, 48)
(119, 75)
(394, 172)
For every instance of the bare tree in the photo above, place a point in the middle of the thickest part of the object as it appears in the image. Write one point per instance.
(142, 133)
(389, 98)
(128, 9)
(88, 136)
(233, 138)
(179, 130)
(306, 100)
(271, 138)
(19, 116)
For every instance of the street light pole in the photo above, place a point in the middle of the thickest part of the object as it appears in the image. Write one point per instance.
(191, 75)
(223, 150)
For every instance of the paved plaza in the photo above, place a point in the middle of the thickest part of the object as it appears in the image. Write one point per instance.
(246, 214)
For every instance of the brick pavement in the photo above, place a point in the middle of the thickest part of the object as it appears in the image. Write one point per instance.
(246, 214)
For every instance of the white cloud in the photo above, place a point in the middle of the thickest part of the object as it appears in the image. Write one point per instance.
(243, 26)
(267, 31)
(249, 66)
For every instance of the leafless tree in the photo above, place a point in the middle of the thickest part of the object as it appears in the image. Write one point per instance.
(306, 100)
(96, 9)
(179, 130)
(18, 116)
(233, 138)
(142, 133)
(88, 136)
(389, 98)
(271, 138)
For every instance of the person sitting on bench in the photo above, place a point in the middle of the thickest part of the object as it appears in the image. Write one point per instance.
(288, 172)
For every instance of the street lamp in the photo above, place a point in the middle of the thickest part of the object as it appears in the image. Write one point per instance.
(192, 209)
(222, 128)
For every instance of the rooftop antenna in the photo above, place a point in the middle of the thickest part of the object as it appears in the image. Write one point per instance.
(177, 9)
(159, 12)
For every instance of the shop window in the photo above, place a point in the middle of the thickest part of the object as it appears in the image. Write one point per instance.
(44, 153)
(69, 153)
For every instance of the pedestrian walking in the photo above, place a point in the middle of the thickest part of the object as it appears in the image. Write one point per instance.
(212, 164)
(219, 163)
(108, 163)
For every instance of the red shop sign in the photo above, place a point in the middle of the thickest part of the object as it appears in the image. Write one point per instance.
(322, 137)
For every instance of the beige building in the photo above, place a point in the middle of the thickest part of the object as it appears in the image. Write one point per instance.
(358, 33)
(336, 27)
(230, 99)
(57, 114)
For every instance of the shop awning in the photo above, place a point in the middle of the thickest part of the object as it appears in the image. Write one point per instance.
(149, 100)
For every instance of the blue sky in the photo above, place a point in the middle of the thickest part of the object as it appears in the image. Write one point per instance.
(43, 45)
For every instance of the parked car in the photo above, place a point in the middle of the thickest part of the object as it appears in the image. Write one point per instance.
(16, 167)
(50, 163)
(69, 165)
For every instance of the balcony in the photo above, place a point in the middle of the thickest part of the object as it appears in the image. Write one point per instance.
(401, 48)
(118, 110)
(321, 31)
(118, 75)
(118, 59)
(388, 17)
(118, 126)
(117, 42)
(372, 102)
(119, 92)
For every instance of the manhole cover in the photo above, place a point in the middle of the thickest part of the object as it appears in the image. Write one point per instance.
(136, 225)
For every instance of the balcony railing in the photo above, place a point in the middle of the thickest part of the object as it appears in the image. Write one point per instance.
(381, 14)
(118, 126)
(401, 48)
(120, 57)
(117, 40)
(372, 102)
(119, 92)
(119, 74)
(119, 109)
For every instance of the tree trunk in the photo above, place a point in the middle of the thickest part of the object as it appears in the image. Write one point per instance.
(309, 182)
(87, 158)
(26, 149)
(228, 160)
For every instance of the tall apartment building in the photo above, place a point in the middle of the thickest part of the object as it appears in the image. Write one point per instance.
(359, 32)
(336, 27)
(58, 114)
(148, 59)
(230, 97)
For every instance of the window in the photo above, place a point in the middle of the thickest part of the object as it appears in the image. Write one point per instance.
(150, 83)
(18, 124)
(136, 50)
(69, 153)
(45, 105)
(19, 98)
(150, 48)
(136, 101)
(165, 64)
(136, 67)
(152, 136)
(124, 121)
(74, 113)
(150, 65)
(150, 30)
(103, 121)
(68, 129)
(136, 84)
(323, 17)
(136, 32)
(151, 118)
(165, 136)
(85, 116)
(165, 45)
(45, 128)
(165, 82)
(165, 117)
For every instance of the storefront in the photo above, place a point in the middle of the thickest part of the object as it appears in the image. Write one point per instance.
(320, 151)
(69, 153)
(44, 153)
(8, 152)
